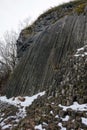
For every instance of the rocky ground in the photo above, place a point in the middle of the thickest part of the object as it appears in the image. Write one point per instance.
(7, 116)
(62, 108)
(47, 114)
(44, 114)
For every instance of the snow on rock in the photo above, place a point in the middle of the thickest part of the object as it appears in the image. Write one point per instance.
(66, 118)
(15, 101)
(44, 123)
(6, 126)
(84, 120)
(85, 53)
(39, 127)
(56, 116)
(62, 128)
(75, 106)
(51, 112)
(81, 51)
(20, 104)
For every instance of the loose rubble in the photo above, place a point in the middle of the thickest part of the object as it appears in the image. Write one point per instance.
(13, 110)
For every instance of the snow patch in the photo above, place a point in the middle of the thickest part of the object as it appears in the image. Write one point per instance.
(51, 112)
(6, 126)
(84, 120)
(44, 123)
(21, 105)
(39, 127)
(56, 116)
(81, 51)
(62, 128)
(75, 106)
(66, 118)
(28, 100)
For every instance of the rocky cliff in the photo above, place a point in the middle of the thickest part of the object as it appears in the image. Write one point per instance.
(52, 55)
(49, 59)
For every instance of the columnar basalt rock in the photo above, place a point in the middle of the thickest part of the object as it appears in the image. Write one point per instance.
(49, 61)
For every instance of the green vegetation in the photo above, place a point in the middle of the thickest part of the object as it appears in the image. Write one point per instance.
(27, 31)
(61, 10)
(57, 8)
(69, 5)
(80, 9)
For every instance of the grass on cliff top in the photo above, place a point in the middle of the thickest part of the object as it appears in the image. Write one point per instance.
(75, 5)
(71, 4)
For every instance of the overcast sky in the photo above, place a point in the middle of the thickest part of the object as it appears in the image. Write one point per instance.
(14, 12)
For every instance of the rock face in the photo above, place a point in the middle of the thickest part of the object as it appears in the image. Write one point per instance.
(48, 56)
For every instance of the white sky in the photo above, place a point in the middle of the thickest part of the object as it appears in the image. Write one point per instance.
(12, 12)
